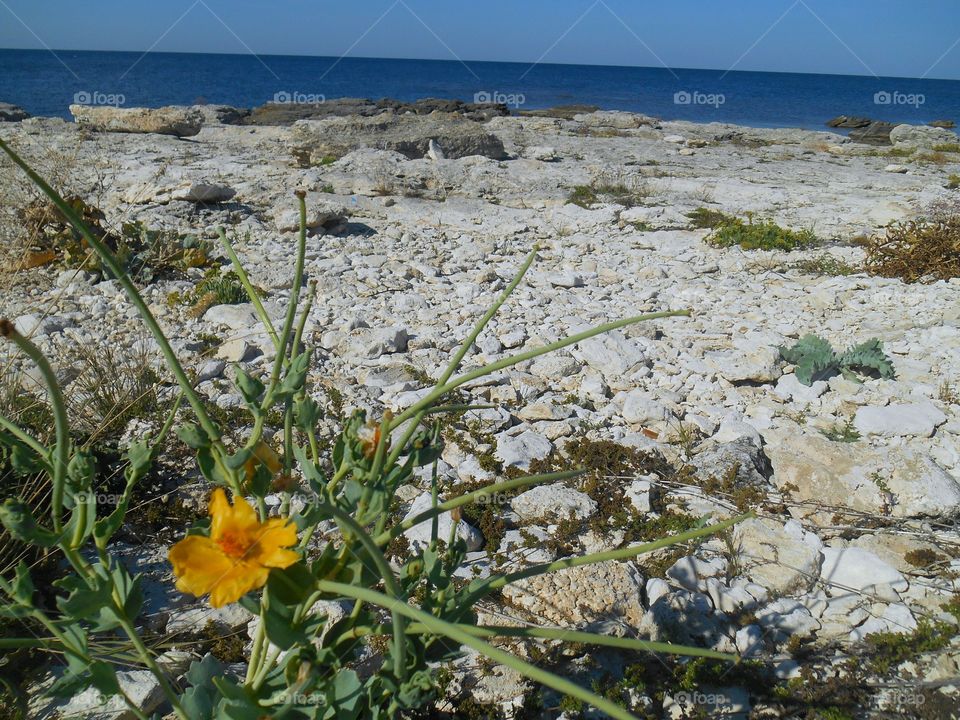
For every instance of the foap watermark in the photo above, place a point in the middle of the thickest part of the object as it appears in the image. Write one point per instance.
(702, 699)
(299, 98)
(499, 98)
(685, 97)
(885, 97)
(85, 97)
(900, 698)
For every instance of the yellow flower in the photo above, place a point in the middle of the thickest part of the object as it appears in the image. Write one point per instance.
(237, 556)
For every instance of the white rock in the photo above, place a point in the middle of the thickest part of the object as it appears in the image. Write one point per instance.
(853, 570)
(642, 408)
(518, 451)
(916, 420)
(553, 502)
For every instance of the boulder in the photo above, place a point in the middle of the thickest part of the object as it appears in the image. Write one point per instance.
(172, 120)
(948, 124)
(821, 477)
(314, 140)
(517, 451)
(12, 113)
(851, 570)
(781, 558)
(921, 137)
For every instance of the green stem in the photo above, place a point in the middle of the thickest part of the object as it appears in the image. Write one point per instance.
(24, 437)
(626, 553)
(61, 450)
(389, 582)
(248, 286)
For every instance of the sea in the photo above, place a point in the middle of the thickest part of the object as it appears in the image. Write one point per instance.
(45, 83)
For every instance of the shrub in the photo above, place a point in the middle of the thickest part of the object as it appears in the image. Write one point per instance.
(816, 360)
(916, 251)
(761, 235)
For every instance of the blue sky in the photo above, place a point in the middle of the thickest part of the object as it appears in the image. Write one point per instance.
(907, 38)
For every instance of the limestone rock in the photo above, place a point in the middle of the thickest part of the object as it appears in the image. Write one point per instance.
(590, 595)
(173, 120)
(897, 481)
(553, 502)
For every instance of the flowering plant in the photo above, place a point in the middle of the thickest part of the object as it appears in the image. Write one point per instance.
(303, 661)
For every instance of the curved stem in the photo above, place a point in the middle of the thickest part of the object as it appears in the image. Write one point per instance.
(472, 497)
(626, 553)
(248, 286)
(61, 450)
(389, 582)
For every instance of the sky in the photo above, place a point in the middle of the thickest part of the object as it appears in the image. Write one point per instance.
(900, 38)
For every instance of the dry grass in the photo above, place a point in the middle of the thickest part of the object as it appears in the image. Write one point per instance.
(917, 251)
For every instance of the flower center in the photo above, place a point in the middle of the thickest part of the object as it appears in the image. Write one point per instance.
(234, 544)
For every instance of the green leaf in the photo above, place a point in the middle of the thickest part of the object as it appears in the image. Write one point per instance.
(239, 458)
(19, 521)
(307, 413)
(81, 471)
(347, 693)
(22, 459)
(249, 387)
(84, 602)
(814, 359)
(296, 374)
(868, 358)
(194, 436)
(23, 585)
(204, 671)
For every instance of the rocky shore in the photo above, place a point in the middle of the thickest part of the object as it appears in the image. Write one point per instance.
(417, 222)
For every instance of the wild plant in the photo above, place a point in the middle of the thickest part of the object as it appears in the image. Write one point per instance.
(303, 660)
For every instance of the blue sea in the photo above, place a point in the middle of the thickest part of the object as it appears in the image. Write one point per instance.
(44, 83)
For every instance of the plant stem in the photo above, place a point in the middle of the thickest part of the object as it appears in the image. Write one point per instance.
(61, 450)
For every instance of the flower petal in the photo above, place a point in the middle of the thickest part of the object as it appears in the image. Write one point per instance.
(237, 518)
(240, 580)
(198, 564)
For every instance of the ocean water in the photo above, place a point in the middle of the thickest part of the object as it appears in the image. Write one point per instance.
(44, 84)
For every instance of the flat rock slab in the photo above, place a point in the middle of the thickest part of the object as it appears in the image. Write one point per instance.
(914, 420)
(178, 121)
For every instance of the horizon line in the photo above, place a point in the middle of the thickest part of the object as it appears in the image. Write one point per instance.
(491, 62)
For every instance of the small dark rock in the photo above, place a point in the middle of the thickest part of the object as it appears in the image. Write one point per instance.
(12, 113)
(847, 121)
(946, 124)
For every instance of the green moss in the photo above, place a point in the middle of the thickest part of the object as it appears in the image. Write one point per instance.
(947, 147)
(760, 235)
(228, 648)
